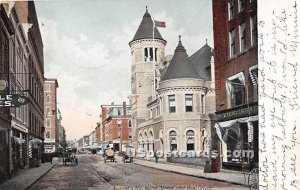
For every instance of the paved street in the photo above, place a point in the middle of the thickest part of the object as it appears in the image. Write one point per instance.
(93, 173)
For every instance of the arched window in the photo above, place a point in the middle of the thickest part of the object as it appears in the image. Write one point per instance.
(151, 141)
(190, 140)
(173, 140)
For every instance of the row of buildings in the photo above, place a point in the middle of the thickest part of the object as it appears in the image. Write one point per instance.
(114, 129)
(202, 102)
(22, 129)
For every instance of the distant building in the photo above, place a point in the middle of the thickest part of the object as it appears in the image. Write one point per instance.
(116, 125)
(235, 42)
(52, 116)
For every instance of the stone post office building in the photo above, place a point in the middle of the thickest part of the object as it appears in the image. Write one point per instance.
(171, 95)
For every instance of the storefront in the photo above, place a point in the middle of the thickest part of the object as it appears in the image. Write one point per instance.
(237, 129)
(4, 153)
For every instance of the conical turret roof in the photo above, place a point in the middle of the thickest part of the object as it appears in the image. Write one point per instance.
(201, 61)
(180, 66)
(145, 30)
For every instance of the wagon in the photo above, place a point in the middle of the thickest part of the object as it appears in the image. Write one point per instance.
(109, 155)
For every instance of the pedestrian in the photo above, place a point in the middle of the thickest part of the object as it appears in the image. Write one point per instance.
(155, 156)
(51, 157)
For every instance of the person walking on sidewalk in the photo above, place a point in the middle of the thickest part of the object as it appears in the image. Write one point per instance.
(155, 156)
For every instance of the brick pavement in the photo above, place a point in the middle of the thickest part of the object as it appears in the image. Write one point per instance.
(28, 177)
(223, 176)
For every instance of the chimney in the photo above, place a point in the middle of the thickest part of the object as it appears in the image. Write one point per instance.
(124, 108)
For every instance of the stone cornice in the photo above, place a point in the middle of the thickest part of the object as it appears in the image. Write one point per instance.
(181, 88)
(147, 40)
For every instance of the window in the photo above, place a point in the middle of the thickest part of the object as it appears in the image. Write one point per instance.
(48, 123)
(130, 135)
(48, 111)
(48, 134)
(48, 98)
(119, 123)
(243, 44)
(148, 54)
(202, 103)
(190, 142)
(241, 5)
(47, 87)
(189, 102)
(232, 43)
(230, 9)
(235, 87)
(173, 140)
(238, 96)
(129, 123)
(119, 134)
(172, 107)
(253, 25)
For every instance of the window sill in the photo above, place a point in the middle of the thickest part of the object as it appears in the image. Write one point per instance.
(241, 53)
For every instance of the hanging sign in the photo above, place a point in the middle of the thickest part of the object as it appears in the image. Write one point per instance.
(13, 100)
(3, 85)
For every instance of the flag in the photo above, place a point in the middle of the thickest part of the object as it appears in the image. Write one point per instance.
(160, 24)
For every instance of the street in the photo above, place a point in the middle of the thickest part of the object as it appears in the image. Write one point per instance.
(93, 173)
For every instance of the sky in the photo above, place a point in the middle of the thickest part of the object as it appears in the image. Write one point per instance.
(86, 49)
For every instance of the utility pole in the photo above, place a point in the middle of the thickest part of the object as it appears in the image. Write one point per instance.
(124, 115)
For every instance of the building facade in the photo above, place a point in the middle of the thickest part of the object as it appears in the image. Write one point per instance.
(35, 79)
(25, 134)
(235, 42)
(5, 117)
(116, 126)
(174, 100)
(146, 52)
(52, 116)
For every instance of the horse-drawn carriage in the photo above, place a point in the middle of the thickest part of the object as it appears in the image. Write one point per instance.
(70, 157)
(128, 154)
(109, 155)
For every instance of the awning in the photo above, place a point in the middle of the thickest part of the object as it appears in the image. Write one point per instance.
(35, 141)
(18, 140)
(223, 127)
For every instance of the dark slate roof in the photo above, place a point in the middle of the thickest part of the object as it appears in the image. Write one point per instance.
(145, 30)
(201, 60)
(180, 65)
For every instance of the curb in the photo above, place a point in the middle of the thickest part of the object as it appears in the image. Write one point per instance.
(192, 175)
(53, 165)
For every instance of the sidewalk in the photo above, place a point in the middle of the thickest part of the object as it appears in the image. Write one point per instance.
(228, 176)
(28, 177)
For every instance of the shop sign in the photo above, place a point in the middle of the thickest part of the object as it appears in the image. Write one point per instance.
(13, 100)
(238, 113)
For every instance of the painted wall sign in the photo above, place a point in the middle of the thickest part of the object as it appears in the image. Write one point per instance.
(13, 100)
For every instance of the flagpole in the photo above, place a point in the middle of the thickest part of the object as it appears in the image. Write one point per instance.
(153, 57)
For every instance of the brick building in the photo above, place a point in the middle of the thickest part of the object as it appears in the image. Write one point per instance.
(35, 77)
(22, 68)
(52, 116)
(235, 43)
(116, 125)
(5, 117)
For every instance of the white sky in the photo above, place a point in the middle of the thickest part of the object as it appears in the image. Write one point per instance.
(86, 48)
